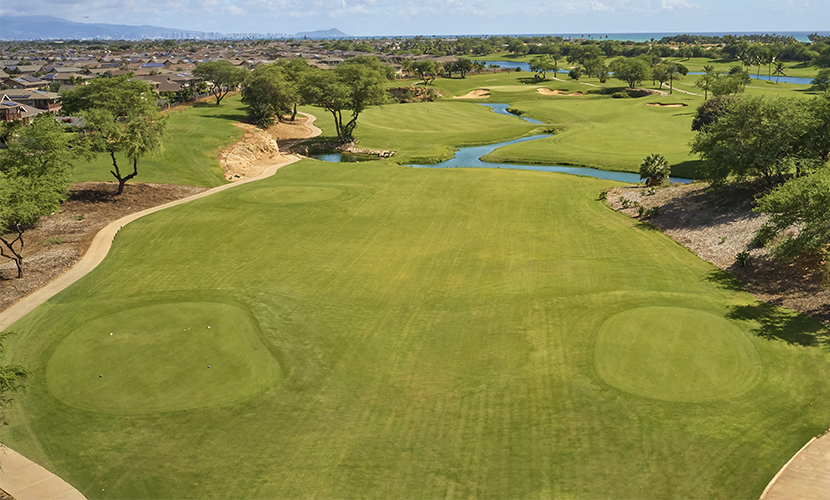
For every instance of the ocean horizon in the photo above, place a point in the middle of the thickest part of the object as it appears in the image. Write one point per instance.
(800, 36)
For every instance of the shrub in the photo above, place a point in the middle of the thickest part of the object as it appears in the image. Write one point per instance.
(603, 195)
(620, 95)
(744, 259)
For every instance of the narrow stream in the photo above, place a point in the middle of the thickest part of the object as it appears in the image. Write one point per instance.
(471, 158)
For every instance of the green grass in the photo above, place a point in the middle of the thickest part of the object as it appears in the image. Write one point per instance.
(439, 333)
(195, 135)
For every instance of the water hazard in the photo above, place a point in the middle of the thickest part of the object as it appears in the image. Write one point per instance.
(502, 110)
(471, 158)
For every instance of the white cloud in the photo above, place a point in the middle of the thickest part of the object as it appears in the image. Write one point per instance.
(677, 5)
(236, 11)
(599, 7)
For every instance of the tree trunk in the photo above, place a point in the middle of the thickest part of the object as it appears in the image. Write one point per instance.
(294, 113)
(16, 255)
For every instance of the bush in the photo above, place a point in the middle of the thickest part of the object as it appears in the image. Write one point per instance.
(620, 95)
(744, 259)
(603, 195)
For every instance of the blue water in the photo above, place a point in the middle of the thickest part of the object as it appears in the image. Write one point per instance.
(782, 79)
(502, 110)
(471, 158)
(340, 157)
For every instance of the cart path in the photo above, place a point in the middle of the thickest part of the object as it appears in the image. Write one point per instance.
(19, 476)
(806, 476)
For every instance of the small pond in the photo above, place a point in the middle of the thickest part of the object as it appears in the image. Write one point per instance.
(341, 157)
(781, 79)
(502, 110)
(471, 158)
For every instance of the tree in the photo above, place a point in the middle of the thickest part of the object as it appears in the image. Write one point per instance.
(120, 117)
(221, 76)
(463, 66)
(710, 111)
(597, 68)
(675, 72)
(575, 73)
(755, 137)
(780, 70)
(705, 82)
(349, 87)
(659, 74)
(34, 180)
(268, 95)
(427, 70)
(293, 71)
(632, 71)
(655, 170)
(801, 203)
(541, 65)
(822, 81)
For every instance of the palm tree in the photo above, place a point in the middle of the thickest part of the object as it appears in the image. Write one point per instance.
(673, 72)
(779, 70)
(654, 169)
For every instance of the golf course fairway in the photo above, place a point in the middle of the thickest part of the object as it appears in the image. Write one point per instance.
(394, 332)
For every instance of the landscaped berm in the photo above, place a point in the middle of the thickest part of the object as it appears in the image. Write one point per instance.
(377, 331)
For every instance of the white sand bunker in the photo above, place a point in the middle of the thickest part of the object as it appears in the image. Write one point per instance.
(661, 105)
(475, 94)
(546, 91)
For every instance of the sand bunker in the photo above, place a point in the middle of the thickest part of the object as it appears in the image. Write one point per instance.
(475, 94)
(546, 91)
(661, 105)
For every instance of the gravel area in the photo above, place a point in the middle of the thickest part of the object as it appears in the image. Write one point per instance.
(717, 225)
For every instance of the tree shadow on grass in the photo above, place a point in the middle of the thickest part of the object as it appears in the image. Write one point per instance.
(726, 280)
(776, 323)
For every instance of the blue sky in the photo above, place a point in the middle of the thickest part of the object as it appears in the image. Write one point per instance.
(429, 17)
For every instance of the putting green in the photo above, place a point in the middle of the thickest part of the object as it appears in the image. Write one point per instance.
(162, 358)
(288, 195)
(675, 354)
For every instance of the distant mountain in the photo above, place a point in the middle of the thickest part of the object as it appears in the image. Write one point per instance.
(332, 33)
(53, 28)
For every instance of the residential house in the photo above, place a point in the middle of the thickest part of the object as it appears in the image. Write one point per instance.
(47, 101)
(25, 82)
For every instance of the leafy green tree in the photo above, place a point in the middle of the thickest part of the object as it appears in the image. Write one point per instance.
(597, 68)
(822, 81)
(293, 71)
(34, 179)
(221, 76)
(710, 111)
(660, 74)
(427, 70)
(268, 95)
(801, 203)
(349, 87)
(754, 136)
(632, 71)
(541, 65)
(463, 66)
(655, 170)
(723, 85)
(575, 73)
(120, 117)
